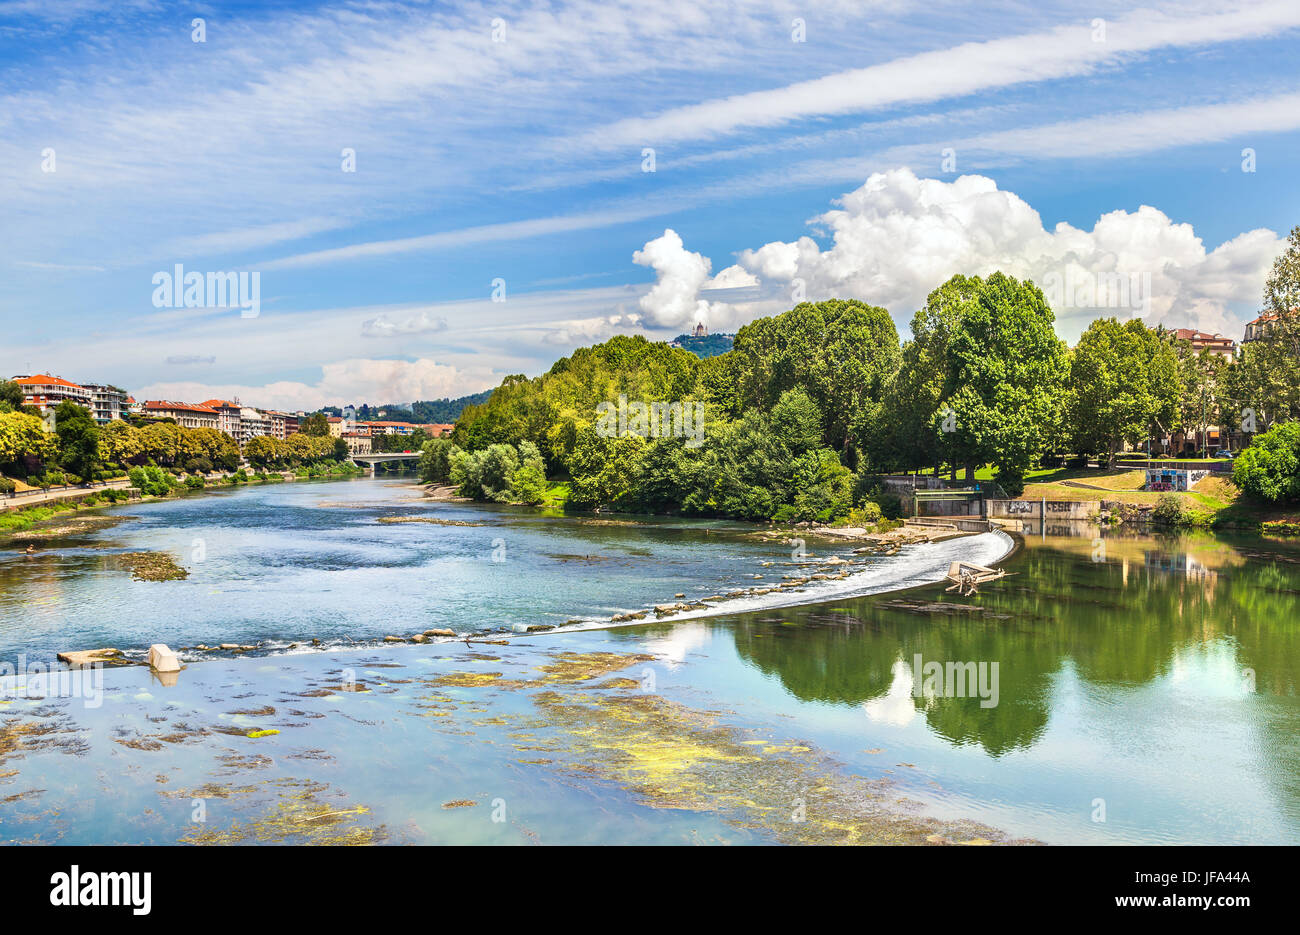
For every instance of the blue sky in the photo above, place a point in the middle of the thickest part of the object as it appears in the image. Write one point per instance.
(896, 144)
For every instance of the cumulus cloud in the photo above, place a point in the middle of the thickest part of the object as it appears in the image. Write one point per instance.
(385, 327)
(356, 380)
(897, 237)
(674, 301)
(578, 331)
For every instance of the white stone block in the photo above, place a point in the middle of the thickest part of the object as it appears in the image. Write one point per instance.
(162, 659)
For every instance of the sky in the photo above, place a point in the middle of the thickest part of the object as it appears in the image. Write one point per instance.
(429, 197)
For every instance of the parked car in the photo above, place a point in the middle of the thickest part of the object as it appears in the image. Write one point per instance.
(1223, 453)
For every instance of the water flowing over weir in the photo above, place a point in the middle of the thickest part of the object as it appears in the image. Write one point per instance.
(916, 565)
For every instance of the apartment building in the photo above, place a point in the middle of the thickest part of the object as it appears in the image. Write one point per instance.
(45, 391)
(358, 442)
(1261, 327)
(107, 402)
(228, 419)
(254, 422)
(1214, 343)
(189, 415)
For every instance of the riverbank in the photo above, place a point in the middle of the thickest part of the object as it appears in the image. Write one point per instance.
(30, 514)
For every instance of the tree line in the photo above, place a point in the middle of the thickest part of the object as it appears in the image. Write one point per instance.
(810, 407)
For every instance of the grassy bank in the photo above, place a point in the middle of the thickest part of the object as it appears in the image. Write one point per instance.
(1213, 502)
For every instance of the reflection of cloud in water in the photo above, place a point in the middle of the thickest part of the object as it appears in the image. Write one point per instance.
(683, 638)
(897, 707)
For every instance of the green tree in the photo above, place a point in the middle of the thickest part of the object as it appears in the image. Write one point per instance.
(23, 439)
(11, 396)
(842, 353)
(1122, 379)
(1270, 468)
(1003, 369)
(316, 425)
(78, 439)
(435, 460)
(528, 481)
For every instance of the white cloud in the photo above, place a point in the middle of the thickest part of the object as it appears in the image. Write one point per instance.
(674, 300)
(733, 277)
(355, 380)
(897, 237)
(1063, 52)
(385, 327)
(581, 331)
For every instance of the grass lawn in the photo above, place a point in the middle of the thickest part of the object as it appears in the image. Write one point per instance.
(556, 496)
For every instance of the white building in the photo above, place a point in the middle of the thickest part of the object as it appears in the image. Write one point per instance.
(254, 422)
(107, 402)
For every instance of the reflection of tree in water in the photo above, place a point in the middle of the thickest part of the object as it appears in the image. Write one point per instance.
(1120, 624)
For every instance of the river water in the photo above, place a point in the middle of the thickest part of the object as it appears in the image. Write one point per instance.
(1144, 689)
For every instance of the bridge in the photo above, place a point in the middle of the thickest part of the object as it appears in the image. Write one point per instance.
(378, 457)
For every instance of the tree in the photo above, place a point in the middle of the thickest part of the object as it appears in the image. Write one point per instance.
(315, 424)
(1002, 369)
(1270, 468)
(11, 396)
(78, 439)
(1122, 378)
(1200, 388)
(435, 460)
(1266, 378)
(528, 481)
(23, 439)
(842, 353)
(262, 451)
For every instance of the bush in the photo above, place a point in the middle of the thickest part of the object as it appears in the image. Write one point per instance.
(1169, 511)
(869, 514)
(7, 485)
(194, 482)
(1270, 468)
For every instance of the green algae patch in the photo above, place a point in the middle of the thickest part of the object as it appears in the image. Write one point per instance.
(571, 667)
(475, 680)
(262, 733)
(305, 813)
(618, 682)
(676, 757)
(151, 566)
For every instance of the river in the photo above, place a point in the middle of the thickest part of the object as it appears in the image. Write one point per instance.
(1144, 686)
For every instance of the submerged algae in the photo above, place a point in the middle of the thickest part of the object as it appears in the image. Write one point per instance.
(673, 756)
(303, 815)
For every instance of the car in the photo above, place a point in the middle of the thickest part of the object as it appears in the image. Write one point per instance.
(1223, 453)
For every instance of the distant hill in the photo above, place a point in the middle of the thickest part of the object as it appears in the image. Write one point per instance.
(709, 346)
(422, 412)
(446, 410)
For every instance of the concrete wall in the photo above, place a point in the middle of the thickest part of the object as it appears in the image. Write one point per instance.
(1049, 510)
(946, 507)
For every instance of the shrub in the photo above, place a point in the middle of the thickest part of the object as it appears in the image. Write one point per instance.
(194, 482)
(869, 514)
(1270, 468)
(7, 485)
(1169, 511)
